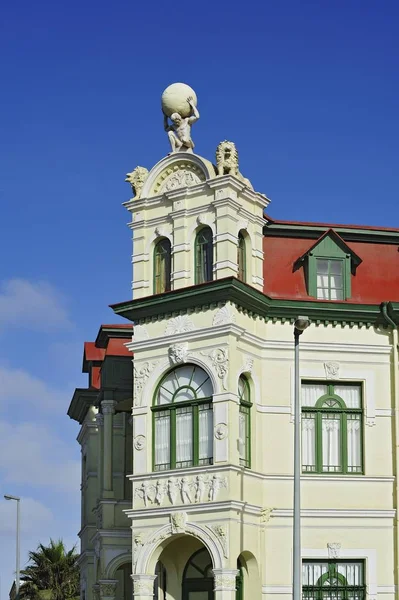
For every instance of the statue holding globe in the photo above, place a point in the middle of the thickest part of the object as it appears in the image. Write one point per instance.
(179, 104)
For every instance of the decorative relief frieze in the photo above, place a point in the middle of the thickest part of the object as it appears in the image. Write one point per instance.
(141, 374)
(139, 442)
(183, 490)
(180, 324)
(220, 431)
(334, 549)
(224, 316)
(220, 361)
(178, 353)
(332, 370)
(179, 179)
(140, 333)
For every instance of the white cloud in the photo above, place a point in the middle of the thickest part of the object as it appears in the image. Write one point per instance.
(35, 305)
(18, 387)
(34, 517)
(30, 454)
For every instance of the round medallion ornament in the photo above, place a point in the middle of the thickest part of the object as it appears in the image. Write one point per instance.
(174, 99)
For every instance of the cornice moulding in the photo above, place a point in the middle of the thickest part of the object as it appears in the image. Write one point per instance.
(201, 508)
(187, 336)
(255, 304)
(337, 513)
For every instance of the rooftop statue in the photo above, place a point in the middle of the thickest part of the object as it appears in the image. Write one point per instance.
(179, 104)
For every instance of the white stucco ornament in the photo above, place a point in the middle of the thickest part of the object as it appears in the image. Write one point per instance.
(174, 99)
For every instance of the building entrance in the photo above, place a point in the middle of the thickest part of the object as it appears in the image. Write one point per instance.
(198, 581)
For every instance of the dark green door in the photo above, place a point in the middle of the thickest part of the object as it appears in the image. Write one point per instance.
(198, 582)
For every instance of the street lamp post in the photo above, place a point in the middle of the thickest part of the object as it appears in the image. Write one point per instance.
(18, 500)
(300, 325)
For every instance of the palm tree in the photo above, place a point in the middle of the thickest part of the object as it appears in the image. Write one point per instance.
(52, 573)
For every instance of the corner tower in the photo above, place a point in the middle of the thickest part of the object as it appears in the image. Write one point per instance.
(208, 216)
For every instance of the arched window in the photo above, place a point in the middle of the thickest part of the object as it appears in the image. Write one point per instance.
(332, 419)
(198, 578)
(244, 431)
(204, 255)
(183, 419)
(333, 580)
(162, 264)
(241, 258)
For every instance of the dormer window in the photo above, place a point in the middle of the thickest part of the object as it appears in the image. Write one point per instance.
(329, 265)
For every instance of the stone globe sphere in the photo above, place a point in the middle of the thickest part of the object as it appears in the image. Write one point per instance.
(174, 99)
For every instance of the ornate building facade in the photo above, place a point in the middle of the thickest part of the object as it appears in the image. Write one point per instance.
(187, 456)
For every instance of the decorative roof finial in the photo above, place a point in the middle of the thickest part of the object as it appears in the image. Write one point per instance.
(179, 104)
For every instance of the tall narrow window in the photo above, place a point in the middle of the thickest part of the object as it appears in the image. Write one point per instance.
(204, 255)
(162, 266)
(333, 580)
(244, 425)
(330, 279)
(331, 428)
(183, 419)
(241, 258)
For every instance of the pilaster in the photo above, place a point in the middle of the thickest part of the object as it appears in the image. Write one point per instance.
(108, 410)
(100, 432)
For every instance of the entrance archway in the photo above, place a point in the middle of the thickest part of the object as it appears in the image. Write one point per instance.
(198, 581)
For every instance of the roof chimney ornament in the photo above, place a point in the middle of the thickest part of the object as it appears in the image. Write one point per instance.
(179, 104)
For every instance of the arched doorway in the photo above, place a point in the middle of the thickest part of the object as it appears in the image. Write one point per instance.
(198, 581)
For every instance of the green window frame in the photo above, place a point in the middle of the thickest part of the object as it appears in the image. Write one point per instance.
(333, 580)
(183, 419)
(162, 266)
(241, 258)
(332, 429)
(204, 255)
(244, 394)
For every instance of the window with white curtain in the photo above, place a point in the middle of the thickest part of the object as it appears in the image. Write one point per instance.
(333, 580)
(183, 419)
(332, 425)
(244, 422)
(330, 279)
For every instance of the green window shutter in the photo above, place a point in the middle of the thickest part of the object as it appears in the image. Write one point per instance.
(312, 276)
(347, 277)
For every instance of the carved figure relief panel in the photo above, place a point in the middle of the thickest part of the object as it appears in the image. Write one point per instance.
(179, 490)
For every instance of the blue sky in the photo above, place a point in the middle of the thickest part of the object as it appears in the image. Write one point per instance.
(308, 91)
